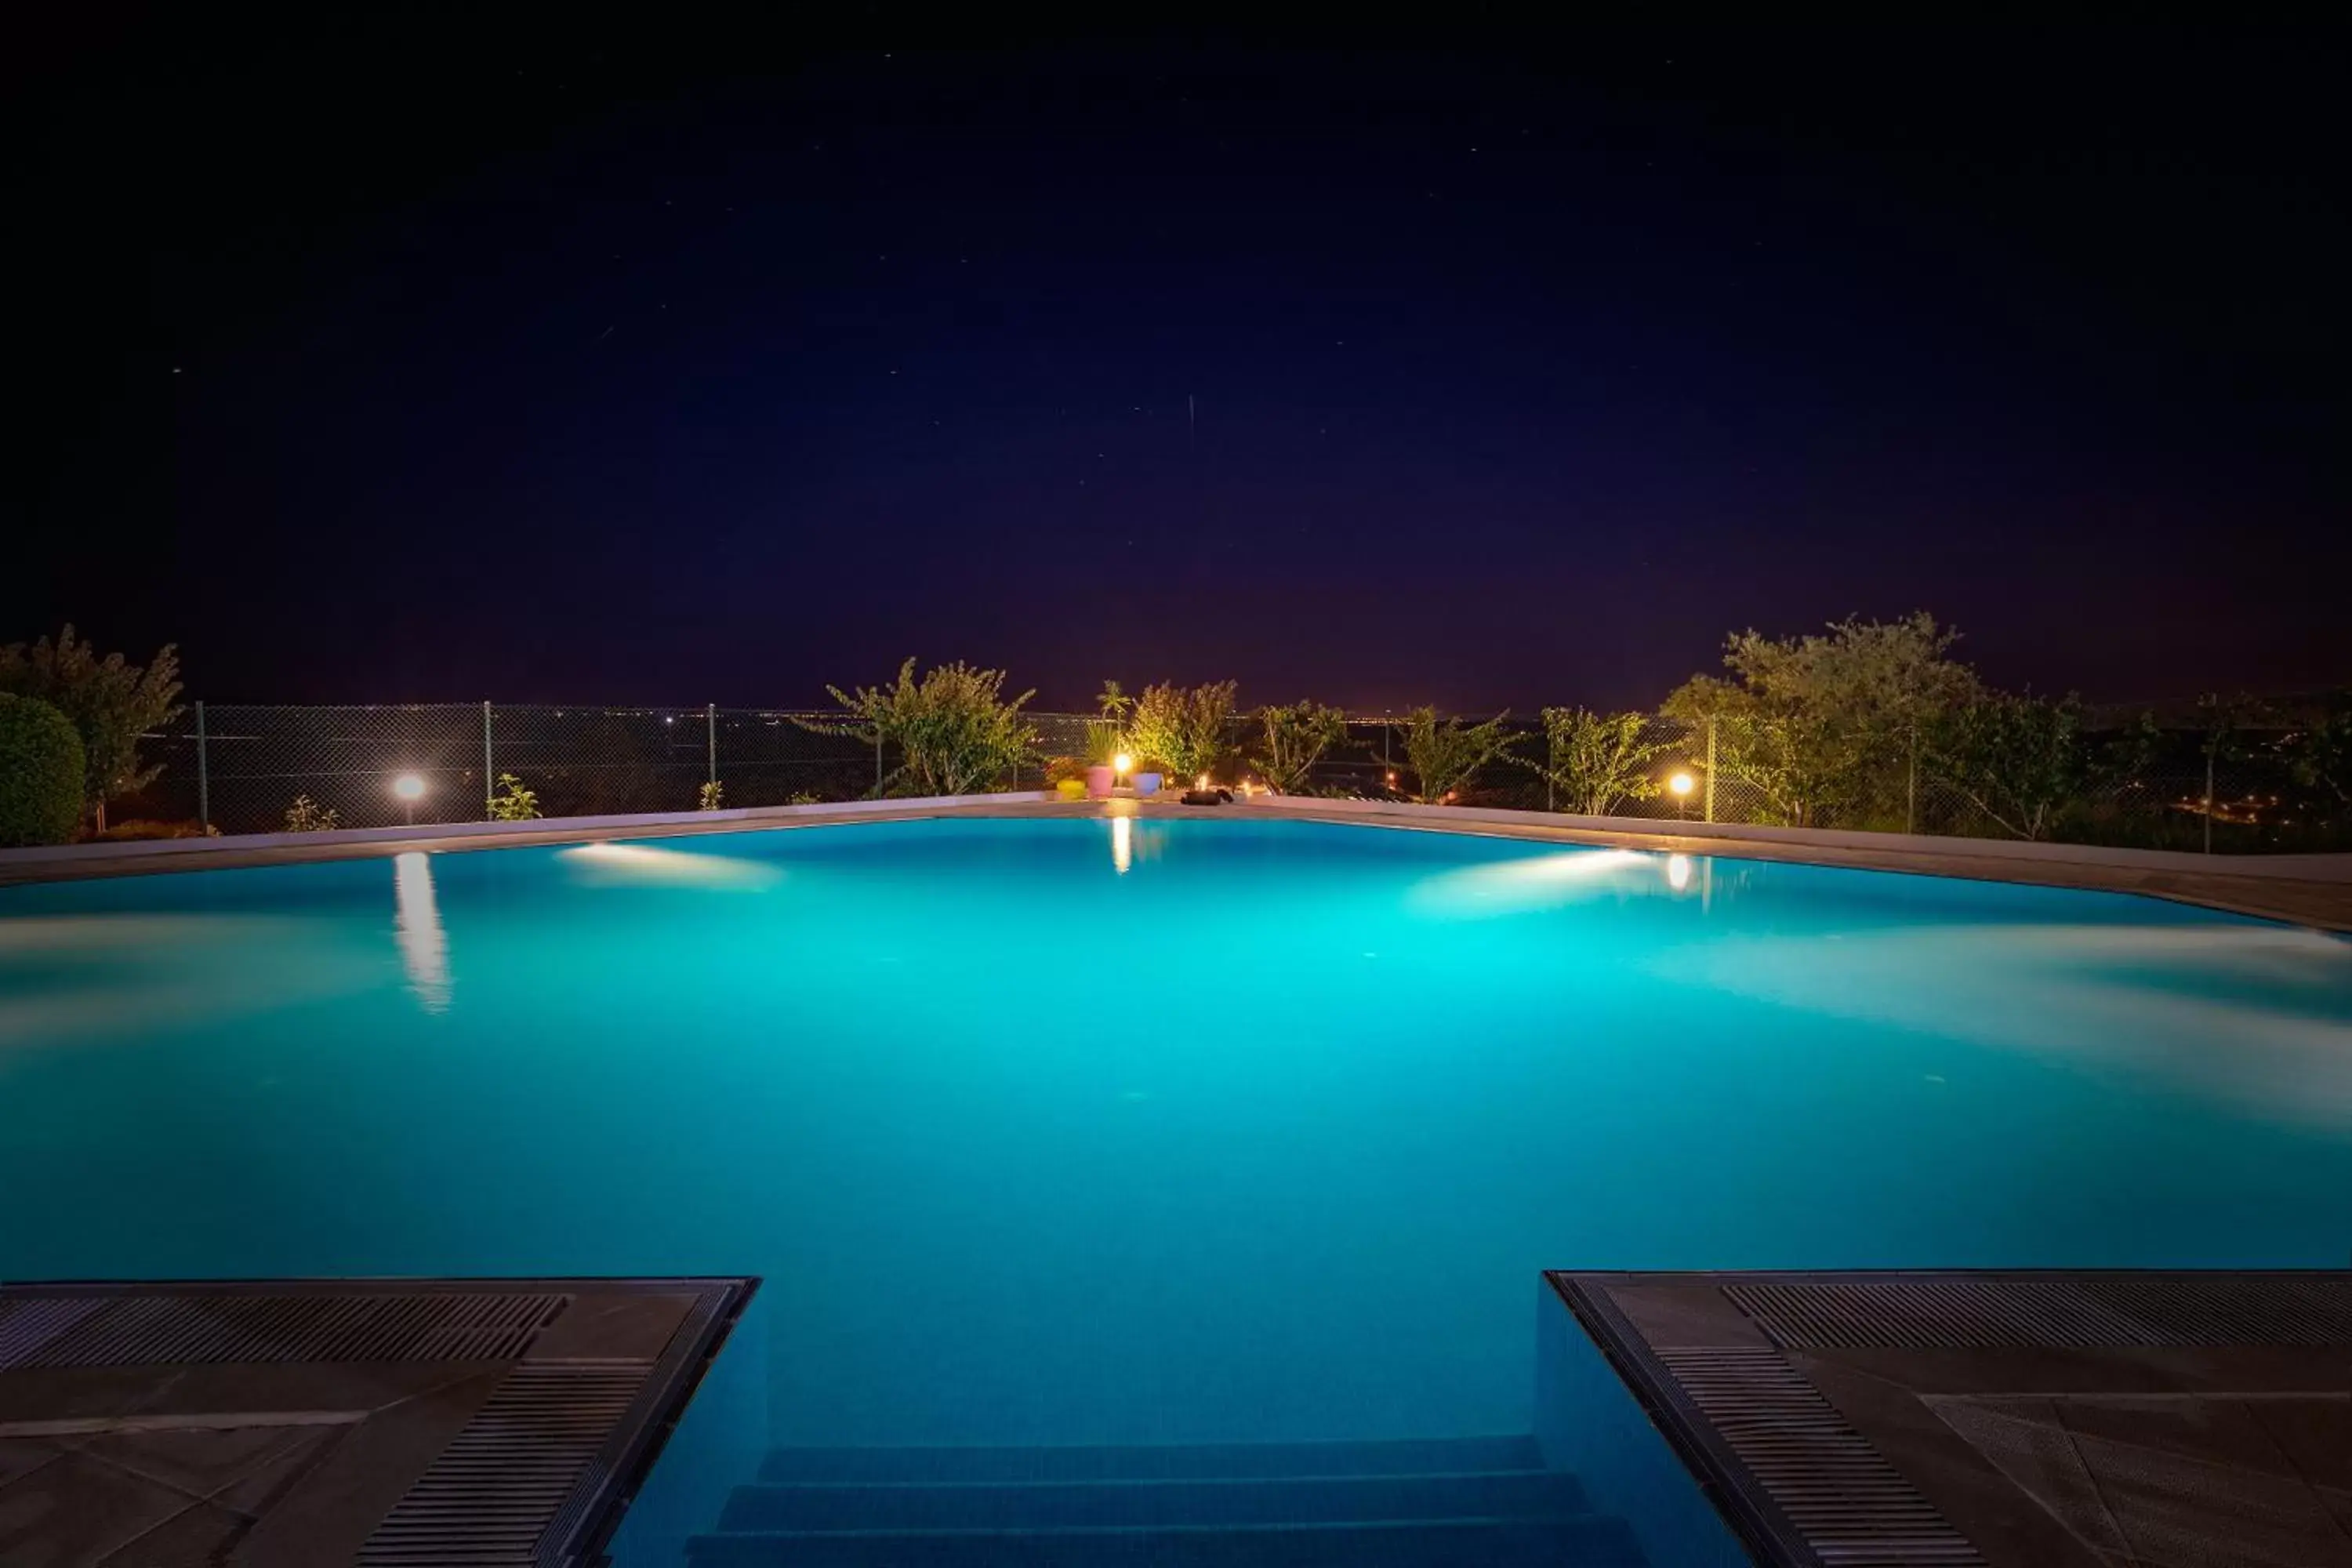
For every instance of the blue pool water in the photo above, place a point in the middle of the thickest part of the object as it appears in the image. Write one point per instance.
(1129, 1133)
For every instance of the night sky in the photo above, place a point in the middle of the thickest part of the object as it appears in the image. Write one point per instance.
(597, 365)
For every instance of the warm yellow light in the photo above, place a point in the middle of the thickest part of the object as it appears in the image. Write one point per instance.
(408, 786)
(1121, 763)
(1201, 782)
(1680, 784)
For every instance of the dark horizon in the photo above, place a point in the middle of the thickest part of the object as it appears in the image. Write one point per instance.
(374, 367)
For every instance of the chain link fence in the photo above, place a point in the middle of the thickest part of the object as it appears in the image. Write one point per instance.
(241, 768)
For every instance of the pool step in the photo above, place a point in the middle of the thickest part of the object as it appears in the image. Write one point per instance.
(1359, 1499)
(1484, 1500)
(1207, 1461)
(1590, 1541)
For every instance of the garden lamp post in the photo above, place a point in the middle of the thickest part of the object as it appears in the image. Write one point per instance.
(410, 789)
(1681, 784)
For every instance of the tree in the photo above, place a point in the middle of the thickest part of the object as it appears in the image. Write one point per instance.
(111, 704)
(2021, 761)
(1185, 729)
(1594, 763)
(1443, 756)
(955, 733)
(1292, 739)
(1826, 724)
(41, 773)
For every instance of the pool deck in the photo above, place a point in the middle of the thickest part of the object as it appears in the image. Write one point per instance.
(2109, 1419)
(367, 1421)
(2308, 891)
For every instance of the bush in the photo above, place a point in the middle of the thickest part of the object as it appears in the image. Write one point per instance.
(954, 731)
(514, 802)
(1595, 762)
(109, 702)
(307, 815)
(712, 797)
(1443, 755)
(40, 774)
(1060, 768)
(141, 829)
(1295, 738)
(1186, 730)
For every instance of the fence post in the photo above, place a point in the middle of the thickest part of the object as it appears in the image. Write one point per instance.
(203, 776)
(1710, 767)
(877, 759)
(1911, 789)
(490, 788)
(710, 728)
(2212, 744)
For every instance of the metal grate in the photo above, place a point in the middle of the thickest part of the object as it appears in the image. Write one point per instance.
(1850, 1506)
(201, 1329)
(488, 1499)
(1956, 1314)
(1933, 1314)
(2259, 1311)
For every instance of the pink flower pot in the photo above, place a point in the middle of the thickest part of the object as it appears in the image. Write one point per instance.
(1100, 783)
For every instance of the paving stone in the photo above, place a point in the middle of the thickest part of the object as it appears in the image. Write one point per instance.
(75, 1509)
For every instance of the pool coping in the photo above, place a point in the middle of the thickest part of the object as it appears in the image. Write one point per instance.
(374, 1420)
(2312, 890)
(1837, 1414)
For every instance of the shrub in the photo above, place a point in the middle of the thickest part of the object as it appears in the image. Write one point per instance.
(307, 815)
(1060, 768)
(711, 796)
(2020, 761)
(110, 703)
(41, 773)
(1443, 756)
(1594, 763)
(514, 802)
(955, 733)
(141, 828)
(1292, 739)
(1184, 728)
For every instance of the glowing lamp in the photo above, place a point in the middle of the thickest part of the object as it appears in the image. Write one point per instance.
(1201, 782)
(1121, 763)
(1680, 784)
(408, 786)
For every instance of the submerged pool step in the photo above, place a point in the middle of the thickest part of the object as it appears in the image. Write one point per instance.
(1208, 1461)
(1584, 1541)
(1468, 1502)
(1251, 1500)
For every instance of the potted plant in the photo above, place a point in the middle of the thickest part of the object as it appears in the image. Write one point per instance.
(1147, 776)
(1104, 745)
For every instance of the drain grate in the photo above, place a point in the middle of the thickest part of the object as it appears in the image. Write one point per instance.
(212, 1329)
(2085, 1313)
(1850, 1506)
(1934, 1314)
(487, 1499)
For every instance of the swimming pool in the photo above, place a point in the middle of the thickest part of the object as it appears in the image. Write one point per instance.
(1137, 1131)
